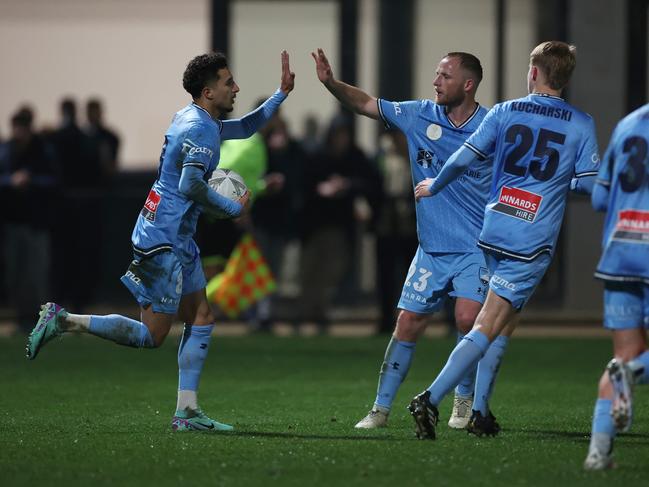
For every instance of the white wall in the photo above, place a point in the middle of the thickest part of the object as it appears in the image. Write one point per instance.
(132, 54)
(260, 30)
(443, 26)
(468, 25)
(520, 39)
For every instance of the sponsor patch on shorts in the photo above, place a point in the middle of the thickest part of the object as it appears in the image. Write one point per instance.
(632, 226)
(151, 206)
(518, 203)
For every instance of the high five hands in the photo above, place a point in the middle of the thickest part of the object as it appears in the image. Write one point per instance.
(287, 82)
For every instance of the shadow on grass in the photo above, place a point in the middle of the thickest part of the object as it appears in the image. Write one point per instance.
(577, 435)
(306, 436)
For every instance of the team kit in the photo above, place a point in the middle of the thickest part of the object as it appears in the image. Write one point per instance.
(490, 191)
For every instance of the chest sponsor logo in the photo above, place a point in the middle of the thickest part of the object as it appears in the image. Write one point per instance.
(518, 203)
(633, 226)
(151, 206)
(428, 159)
(433, 131)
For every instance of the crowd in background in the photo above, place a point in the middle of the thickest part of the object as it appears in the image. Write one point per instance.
(50, 184)
(320, 194)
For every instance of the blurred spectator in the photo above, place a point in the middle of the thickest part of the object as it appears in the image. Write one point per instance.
(396, 227)
(311, 139)
(28, 179)
(339, 173)
(275, 215)
(102, 144)
(78, 236)
(70, 145)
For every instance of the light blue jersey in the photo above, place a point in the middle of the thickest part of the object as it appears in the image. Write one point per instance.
(622, 188)
(452, 221)
(168, 219)
(542, 146)
(166, 263)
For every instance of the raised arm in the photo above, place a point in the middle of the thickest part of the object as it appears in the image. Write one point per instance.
(244, 127)
(350, 96)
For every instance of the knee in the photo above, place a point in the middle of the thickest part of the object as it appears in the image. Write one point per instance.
(158, 337)
(464, 320)
(410, 326)
(203, 317)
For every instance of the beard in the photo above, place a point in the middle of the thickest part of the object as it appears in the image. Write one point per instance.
(449, 100)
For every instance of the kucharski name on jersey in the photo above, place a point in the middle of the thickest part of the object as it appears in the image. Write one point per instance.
(151, 205)
(518, 203)
(632, 226)
(537, 109)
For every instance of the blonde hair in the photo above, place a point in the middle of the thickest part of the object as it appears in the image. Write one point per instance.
(557, 61)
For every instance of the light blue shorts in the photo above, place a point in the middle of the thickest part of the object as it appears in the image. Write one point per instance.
(434, 276)
(626, 305)
(161, 279)
(515, 280)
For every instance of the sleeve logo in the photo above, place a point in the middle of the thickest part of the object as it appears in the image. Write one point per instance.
(190, 148)
(151, 206)
(632, 226)
(397, 108)
(201, 150)
(518, 203)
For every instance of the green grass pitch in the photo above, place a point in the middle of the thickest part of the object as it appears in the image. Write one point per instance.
(90, 412)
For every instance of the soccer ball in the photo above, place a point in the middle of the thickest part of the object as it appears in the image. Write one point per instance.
(227, 183)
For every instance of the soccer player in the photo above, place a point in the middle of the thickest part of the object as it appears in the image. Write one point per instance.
(543, 147)
(447, 261)
(621, 190)
(165, 276)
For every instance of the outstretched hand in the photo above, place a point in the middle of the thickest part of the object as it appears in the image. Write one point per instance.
(287, 82)
(422, 189)
(322, 67)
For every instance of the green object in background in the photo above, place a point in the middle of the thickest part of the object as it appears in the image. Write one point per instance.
(249, 158)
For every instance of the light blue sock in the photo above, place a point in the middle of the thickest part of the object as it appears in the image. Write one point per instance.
(487, 371)
(122, 330)
(602, 419)
(397, 360)
(463, 358)
(640, 367)
(467, 384)
(191, 355)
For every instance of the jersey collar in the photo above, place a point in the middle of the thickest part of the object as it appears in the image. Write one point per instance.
(548, 96)
(463, 124)
(196, 105)
(218, 121)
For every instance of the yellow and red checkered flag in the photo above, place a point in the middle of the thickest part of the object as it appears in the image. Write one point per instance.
(245, 280)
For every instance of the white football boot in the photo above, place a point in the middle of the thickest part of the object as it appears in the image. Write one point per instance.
(461, 412)
(622, 380)
(596, 460)
(375, 419)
